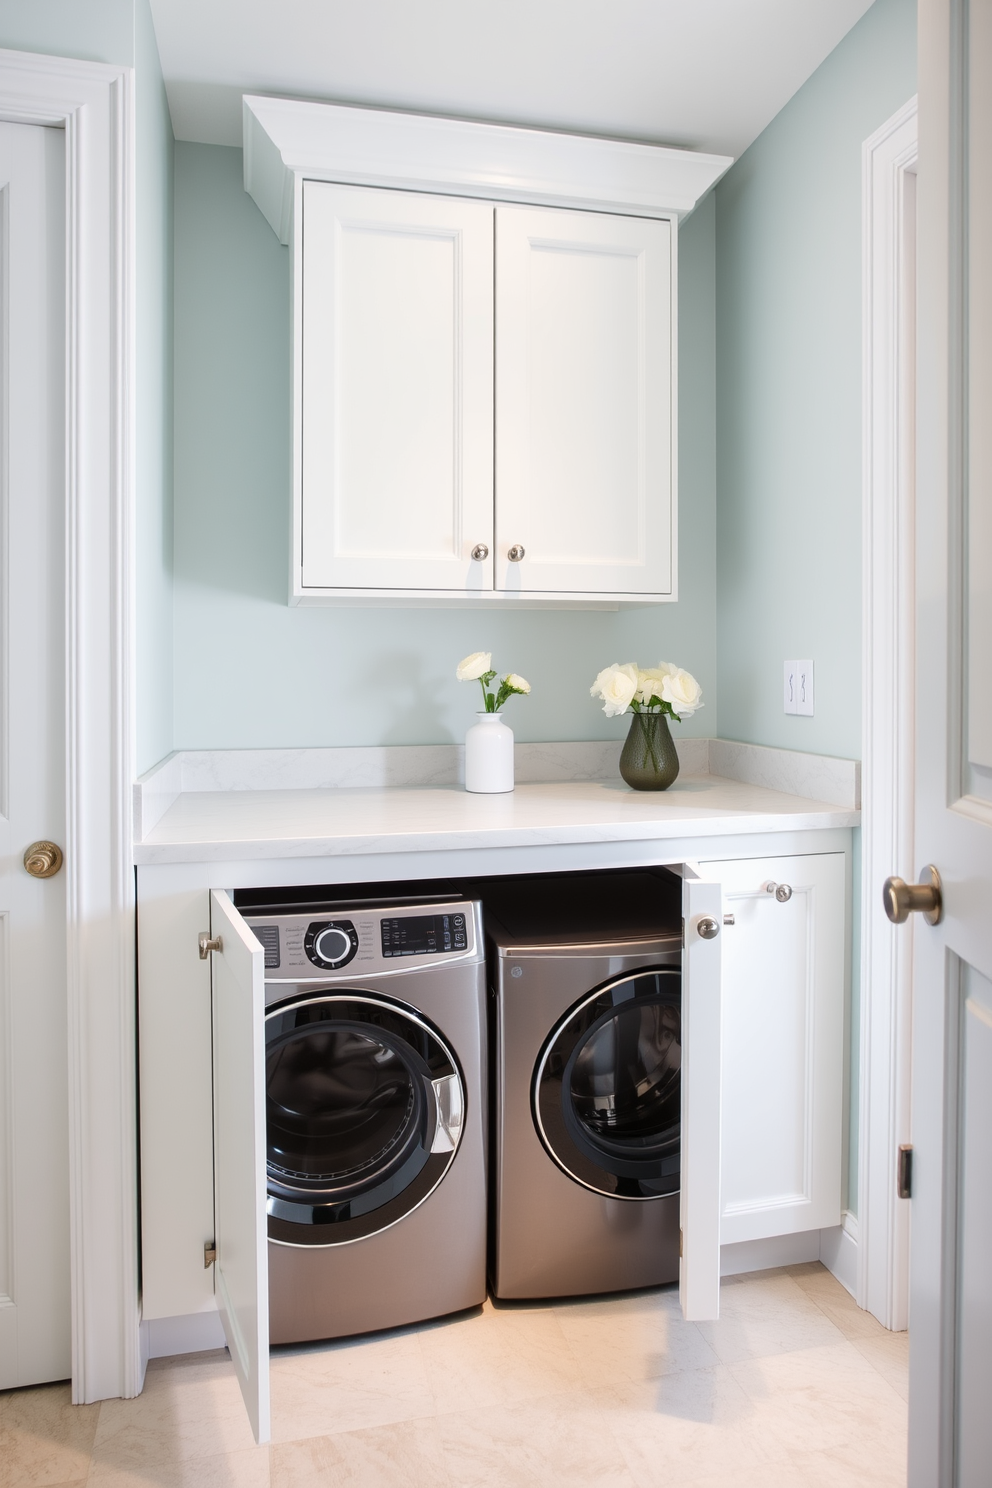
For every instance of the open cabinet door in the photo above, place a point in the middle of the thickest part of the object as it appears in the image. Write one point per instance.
(240, 1233)
(699, 1269)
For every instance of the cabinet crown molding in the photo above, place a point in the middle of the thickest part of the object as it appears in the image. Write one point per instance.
(286, 138)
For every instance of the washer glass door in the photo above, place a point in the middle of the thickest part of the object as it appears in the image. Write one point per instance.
(607, 1087)
(364, 1113)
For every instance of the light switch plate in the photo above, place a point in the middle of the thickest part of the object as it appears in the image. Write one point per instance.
(790, 693)
(804, 688)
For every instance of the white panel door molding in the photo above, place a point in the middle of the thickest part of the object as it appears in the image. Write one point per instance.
(585, 393)
(784, 983)
(396, 379)
(237, 979)
(93, 104)
(699, 1201)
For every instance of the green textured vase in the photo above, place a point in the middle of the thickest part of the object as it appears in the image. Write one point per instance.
(649, 760)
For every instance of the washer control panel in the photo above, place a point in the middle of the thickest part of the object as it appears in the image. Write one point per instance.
(331, 943)
(353, 939)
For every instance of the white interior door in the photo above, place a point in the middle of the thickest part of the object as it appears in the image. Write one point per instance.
(34, 1138)
(584, 403)
(951, 1278)
(699, 1204)
(397, 390)
(784, 980)
(241, 1267)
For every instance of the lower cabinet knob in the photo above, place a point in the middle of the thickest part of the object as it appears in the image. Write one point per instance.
(516, 553)
(708, 929)
(480, 553)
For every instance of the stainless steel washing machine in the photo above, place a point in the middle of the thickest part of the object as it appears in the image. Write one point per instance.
(586, 989)
(376, 1101)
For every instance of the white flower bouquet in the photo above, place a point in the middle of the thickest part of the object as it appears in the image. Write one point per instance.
(661, 689)
(479, 668)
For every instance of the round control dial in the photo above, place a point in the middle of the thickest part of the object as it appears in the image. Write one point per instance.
(330, 944)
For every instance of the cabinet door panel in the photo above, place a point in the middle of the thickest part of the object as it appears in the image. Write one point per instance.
(584, 393)
(237, 977)
(699, 1199)
(396, 439)
(784, 977)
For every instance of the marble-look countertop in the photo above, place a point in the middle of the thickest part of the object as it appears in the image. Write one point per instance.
(229, 825)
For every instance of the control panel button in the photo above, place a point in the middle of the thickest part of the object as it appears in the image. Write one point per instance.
(330, 944)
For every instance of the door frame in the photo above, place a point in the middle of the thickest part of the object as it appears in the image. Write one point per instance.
(94, 104)
(889, 159)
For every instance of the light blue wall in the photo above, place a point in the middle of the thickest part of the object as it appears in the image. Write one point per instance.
(154, 535)
(250, 671)
(789, 412)
(92, 30)
(789, 393)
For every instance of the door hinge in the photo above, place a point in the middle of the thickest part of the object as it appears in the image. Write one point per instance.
(904, 1171)
(207, 945)
(209, 1253)
(680, 1244)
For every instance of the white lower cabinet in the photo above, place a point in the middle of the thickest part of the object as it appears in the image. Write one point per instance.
(762, 1083)
(784, 974)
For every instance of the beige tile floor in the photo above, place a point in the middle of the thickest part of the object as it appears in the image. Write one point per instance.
(792, 1388)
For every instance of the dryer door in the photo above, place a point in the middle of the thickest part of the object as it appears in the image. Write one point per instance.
(607, 1088)
(364, 1110)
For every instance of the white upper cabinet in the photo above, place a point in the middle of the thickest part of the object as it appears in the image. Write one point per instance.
(401, 311)
(584, 400)
(396, 390)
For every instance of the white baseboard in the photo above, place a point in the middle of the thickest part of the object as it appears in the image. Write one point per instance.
(191, 1334)
(763, 1255)
(839, 1252)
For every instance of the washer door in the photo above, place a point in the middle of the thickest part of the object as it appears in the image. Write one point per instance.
(607, 1088)
(364, 1113)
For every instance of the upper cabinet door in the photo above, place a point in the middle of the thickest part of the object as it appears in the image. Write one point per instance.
(585, 453)
(240, 1236)
(699, 1202)
(395, 452)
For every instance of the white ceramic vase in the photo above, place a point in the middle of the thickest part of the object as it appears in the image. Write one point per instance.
(489, 755)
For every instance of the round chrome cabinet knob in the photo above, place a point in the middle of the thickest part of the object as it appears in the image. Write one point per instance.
(480, 553)
(707, 929)
(43, 859)
(516, 553)
(330, 944)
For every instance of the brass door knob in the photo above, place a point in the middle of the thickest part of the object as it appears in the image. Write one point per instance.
(926, 898)
(43, 859)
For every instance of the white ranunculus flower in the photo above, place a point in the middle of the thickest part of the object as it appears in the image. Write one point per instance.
(519, 684)
(471, 668)
(616, 685)
(682, 691)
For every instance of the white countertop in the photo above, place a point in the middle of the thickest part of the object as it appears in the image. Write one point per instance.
(228, 825)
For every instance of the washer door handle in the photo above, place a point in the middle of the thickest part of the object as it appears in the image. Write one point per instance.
(450, 1113)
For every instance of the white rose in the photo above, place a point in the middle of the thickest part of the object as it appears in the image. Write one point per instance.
(519, 684)
(471, 668)
(682, 691)
(649, 680)
(616, 685)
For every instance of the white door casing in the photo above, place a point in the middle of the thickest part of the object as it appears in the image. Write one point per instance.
(396, 380)
(585, 395)
(699, 1201)
(35, 1309)
(889, 160)
(783, 1001)
(950, 1424)
(237, 978)
(93, 104)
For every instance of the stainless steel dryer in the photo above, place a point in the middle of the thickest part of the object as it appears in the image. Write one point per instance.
(586, 984)
(375, 1091)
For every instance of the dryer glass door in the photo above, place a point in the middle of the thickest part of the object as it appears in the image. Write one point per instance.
(607, 1088)
(363, 1112)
